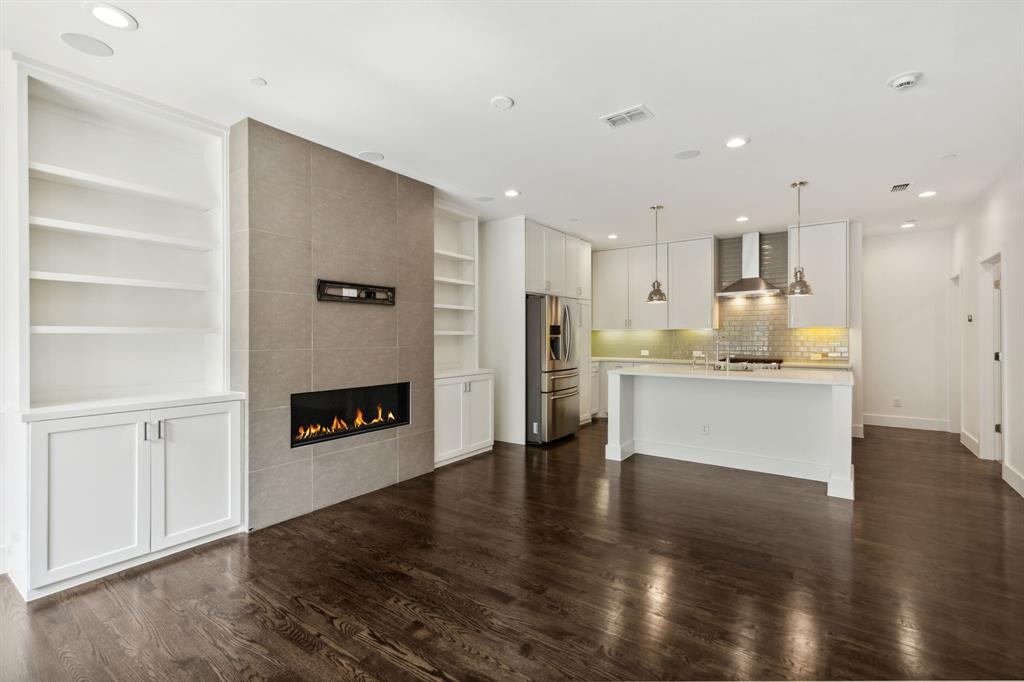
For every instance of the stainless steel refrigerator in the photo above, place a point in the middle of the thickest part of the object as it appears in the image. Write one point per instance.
(552, 371)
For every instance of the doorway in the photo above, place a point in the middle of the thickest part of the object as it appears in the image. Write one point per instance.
(997, 361)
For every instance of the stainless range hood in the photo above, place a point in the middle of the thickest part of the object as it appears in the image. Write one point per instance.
(751, 284)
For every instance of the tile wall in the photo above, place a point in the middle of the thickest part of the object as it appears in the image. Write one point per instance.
(301, 211)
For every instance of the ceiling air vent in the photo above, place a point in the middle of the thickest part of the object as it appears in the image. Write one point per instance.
(900, 187)
(627, 116)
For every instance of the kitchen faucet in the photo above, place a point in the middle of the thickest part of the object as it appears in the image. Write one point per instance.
(719, 339)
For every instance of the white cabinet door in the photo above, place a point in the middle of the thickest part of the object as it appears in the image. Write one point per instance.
(572, 267)
(554, 262)
(196, 472)
(478, 413)
(691, 270)
(643, 315)
(89, 494)
(582, 319)
(583, 272)
(823, 253)
(536, 282)
(603, 380)
(448, 431)
(611, 289)
(595, 391)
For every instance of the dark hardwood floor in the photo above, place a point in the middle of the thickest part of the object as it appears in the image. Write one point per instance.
(555, 564)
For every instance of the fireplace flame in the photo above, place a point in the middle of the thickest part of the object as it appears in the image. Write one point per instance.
(338, 424)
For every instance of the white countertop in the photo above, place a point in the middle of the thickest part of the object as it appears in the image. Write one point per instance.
(823, 364)
(823, 377)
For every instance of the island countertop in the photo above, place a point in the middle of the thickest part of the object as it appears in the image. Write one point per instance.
(822, 377)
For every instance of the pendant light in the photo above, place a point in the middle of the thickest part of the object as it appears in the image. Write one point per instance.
(656, 295)
(799, 285)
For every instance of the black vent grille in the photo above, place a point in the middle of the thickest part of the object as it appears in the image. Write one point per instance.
(900, 187)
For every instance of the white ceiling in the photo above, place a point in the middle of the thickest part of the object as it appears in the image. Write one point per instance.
(805, 81)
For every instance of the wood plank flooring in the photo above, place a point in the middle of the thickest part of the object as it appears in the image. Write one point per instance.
(531, 564)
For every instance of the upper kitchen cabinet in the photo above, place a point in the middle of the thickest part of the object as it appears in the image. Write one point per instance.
(577, 268)
(545, 260)
(622, 280)
(823, 254)
(692, 270)
(555, 262)
(642, 267)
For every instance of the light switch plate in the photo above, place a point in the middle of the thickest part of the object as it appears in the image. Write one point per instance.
(645, 353)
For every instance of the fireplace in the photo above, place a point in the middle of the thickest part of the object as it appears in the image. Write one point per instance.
(326, 415)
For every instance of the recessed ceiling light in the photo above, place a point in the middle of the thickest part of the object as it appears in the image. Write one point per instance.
(371, 156)
(687, 154)
(742, 219)
(736, 142)
(483, 199)
(613, 236)
(511, 193)
(114, 17)
(909, 224)
(258, 81)
(905, 81)
(574, 220)
(87, 44)
(502, 102)
(927, 193)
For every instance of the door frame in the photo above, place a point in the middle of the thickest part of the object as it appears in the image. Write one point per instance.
(991, 268)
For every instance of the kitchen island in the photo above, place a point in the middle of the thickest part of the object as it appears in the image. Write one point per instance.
(788, 422)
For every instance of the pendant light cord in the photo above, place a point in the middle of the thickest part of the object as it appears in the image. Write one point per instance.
(799, 259)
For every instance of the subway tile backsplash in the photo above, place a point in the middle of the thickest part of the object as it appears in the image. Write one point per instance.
(757, 326)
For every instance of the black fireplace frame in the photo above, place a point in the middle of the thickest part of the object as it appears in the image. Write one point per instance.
(340, 397)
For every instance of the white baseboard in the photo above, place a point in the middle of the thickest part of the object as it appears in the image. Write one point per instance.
(921, 423)
(812, 471)
(971, 443)
(465, 455)
(1014, 478)
(858, 430)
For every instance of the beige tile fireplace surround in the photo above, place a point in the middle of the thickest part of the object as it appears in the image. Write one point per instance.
(301, 211)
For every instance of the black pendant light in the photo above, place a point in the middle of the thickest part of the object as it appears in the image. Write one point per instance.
(799, 286)
(656, 295)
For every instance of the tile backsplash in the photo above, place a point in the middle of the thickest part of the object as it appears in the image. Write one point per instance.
(757, 326)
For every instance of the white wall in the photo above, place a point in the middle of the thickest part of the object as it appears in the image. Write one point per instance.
(906, 336)
(994, 227)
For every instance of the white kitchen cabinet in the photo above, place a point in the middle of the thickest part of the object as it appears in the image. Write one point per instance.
(108, 488)
(89, 494)
(595, 388)
(464, 416)
(554, 262)
(692, 270)
(581, 311)
(611, 289)
(536, 261)
(572, 266)
(643, 315)
(603, 380)
(583, 256)
(196, 468)
(823, 254)
(577, 268)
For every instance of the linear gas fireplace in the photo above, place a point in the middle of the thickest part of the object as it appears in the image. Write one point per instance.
(326, 415)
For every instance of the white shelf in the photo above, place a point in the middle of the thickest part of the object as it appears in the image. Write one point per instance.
(448, 306)
(451, 255)
(114, 281)
(56, 225)
(73, 329)
(46, 171)
(439, 332)
(452, 280)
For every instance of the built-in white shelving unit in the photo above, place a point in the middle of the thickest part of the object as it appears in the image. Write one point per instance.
(455, 295)
(123, 238)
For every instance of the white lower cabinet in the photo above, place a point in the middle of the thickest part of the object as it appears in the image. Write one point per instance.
(594, 396)
(603, 380)
(463, 416)
(105, 489)
(195, 478)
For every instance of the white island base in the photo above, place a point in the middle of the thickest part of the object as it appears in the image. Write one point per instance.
(788, 422)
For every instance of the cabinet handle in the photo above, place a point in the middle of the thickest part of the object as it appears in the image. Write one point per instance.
(160, 429)
(145, 431)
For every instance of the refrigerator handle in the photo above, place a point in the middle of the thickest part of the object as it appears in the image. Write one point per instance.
(567, 332)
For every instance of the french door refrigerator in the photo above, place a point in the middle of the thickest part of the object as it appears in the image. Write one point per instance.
(552, 371)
